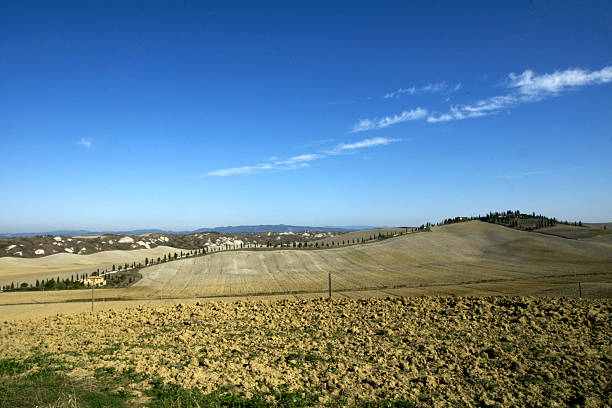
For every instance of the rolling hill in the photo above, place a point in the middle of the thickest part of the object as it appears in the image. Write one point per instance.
(451, 254)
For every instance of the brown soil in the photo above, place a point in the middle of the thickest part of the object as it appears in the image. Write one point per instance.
(436, 351)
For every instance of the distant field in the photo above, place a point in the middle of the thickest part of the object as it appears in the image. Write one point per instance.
(572, 232)
(472, 258)
(598, 225)
(64, 265)
(349, 237)
(466, 252)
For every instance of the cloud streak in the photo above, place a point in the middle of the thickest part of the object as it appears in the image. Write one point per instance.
(85, 142)
(375, 141)
(370, 124)
(413, 90)
(526, 87)
(300, 161)
(522, 88)
(528, 83)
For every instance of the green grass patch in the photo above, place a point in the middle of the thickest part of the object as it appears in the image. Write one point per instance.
(172, 395)
(46, 387)
(387, 404)
(40, 381)
(9, 366)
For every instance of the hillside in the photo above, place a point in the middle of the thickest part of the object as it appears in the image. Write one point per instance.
(451, 254)
(599, 225)
(573, 232)
(469, 259)
(40, 246)
(65, 265)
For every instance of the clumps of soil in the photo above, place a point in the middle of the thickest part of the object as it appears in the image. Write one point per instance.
(429, 351)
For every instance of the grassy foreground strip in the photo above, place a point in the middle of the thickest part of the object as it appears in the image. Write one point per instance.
(401, 352)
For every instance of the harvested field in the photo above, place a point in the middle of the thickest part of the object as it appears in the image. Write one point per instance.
(599, 225)
(467, 259)
(471, 252)
(348, 237)
(434, 351)
(64, 265)
(573, 232)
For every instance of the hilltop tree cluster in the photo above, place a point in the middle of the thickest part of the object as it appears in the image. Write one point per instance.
(514, 219)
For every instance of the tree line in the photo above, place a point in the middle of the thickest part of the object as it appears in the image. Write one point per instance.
(72, 283)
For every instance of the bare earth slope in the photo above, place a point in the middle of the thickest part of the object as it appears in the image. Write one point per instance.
(63, 265)
(465, 252)
(430, 352)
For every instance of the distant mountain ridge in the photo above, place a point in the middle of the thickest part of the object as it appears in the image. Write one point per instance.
(239, 229)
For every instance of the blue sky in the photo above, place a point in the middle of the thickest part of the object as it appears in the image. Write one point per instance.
(120, 115)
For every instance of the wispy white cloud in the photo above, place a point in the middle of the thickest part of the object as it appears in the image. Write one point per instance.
(85, 142)
(528, 83)
(527, 87)
(434, 87)
(429, 88)
(489, 106)
(402, 91)
(303, 160)
(522, 88)
(238, 171)
(375, 141)
(370, 124)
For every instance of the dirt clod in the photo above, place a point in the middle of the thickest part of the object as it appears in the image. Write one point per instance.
(345, 349)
